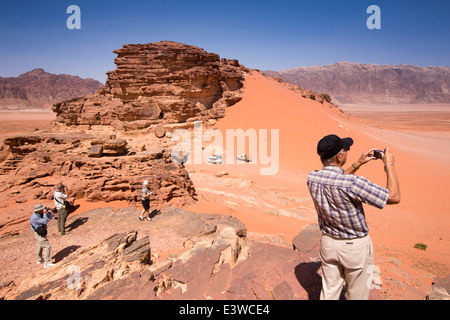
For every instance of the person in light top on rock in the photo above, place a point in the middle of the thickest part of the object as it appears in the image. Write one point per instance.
(60, 196)
(145, 214)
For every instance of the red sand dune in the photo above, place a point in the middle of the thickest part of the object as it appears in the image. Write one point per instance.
(422, 166)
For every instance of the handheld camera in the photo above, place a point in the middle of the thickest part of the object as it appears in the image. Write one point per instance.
(378, 154)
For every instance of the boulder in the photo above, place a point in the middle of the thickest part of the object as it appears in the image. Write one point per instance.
(160, 131)
(440, 289)
(95, 151)
(118, 145)
(308, 240)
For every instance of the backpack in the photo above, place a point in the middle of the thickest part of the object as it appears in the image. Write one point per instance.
(41, 230)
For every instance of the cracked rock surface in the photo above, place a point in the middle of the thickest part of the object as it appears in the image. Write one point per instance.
(217, 261)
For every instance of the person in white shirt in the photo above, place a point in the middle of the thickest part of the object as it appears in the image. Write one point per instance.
(145, 214)
(60, 197)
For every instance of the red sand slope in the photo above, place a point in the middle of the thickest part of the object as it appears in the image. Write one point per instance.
(422, 166)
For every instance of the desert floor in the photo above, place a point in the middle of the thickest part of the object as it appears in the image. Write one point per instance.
(279, 206)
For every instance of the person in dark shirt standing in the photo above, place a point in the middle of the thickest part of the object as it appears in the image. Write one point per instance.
(346, 250)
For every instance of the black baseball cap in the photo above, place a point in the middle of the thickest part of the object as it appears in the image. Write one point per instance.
(330, 145)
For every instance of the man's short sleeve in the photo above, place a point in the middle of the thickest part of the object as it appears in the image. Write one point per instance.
(369, 192)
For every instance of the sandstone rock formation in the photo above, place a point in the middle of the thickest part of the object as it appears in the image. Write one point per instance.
(164, 82)
(349, 82)
(38, 162)
(37, 89)
(90, 147)
(89, 268)
(218, 262)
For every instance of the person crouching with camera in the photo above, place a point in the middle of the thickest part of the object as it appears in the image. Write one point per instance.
(39, 219)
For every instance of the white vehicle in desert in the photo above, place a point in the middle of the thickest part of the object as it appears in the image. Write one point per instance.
(244, 157)
(215, 159)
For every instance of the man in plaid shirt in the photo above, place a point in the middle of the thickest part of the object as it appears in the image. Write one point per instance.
(346, 250)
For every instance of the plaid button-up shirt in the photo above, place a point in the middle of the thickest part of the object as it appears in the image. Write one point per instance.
(338, 199)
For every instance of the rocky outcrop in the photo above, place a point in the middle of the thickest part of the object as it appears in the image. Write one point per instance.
(323, 98)
(39, 89)
(305, 93)
(155, 87)
(38, 162)
(349, 82)
(440, 289)
(87, 269)
(111, 147)
(164, 82)
(218, 262)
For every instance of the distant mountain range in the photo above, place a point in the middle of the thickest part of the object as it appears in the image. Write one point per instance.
(349, 83)
(38, 89)
(345, 82)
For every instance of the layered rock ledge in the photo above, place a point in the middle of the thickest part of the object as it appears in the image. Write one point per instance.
(36, 163)
(217, 261)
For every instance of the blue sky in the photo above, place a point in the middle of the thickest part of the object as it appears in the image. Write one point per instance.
(267, 35)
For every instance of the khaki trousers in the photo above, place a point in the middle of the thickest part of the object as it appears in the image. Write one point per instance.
(62, 217)
(43, 247)
(346, 261)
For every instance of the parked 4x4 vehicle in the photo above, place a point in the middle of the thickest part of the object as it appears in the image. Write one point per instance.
(215, 159)
(244, 157)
